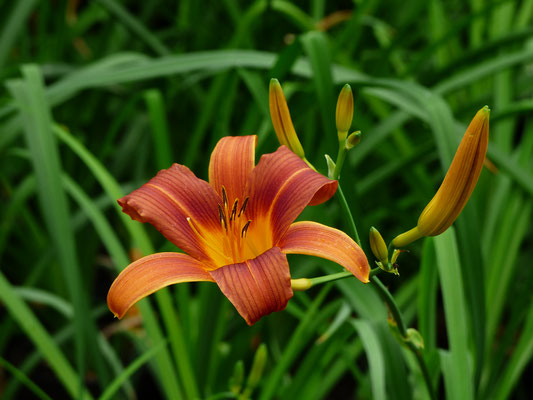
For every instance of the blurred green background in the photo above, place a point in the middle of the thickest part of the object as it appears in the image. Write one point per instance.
(97, 96)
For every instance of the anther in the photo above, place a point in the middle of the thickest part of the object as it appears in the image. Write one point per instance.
(234, 210)
(222, 217)
(243, 207)
(224, 197)
(245, 228)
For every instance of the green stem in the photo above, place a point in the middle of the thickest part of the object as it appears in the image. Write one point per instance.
(383, 291)
(397, 315)
(425, 371)
(330, 278)
(341, 155)
(391, 303)
(374, 271)
(346, 209)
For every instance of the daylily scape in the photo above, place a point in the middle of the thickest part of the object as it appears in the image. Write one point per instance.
(236, 229)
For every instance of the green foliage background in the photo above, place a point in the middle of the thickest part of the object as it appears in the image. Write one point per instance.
(97, 96)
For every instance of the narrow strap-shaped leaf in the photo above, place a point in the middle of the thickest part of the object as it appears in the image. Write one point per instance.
(34, 108)
(22, 377)
(119, 380)
(459, 384)
(374, 354)
(112, 189)
(41, 339)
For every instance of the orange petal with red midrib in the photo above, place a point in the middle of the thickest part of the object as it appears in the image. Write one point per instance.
(149, 274)
(318, 240)
(231, 164)
(258, 286)
(281, 186)
(166, 202)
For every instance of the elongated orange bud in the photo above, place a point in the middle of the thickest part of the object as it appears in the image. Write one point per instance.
(281, 119)
(344, 112)
(458, 183)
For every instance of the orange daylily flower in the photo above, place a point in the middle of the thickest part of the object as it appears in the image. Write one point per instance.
(236, 229)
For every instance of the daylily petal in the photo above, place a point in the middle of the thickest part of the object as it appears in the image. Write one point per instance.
(318, 240)
(166, 202)
(258, 286)
(149, 274)
(231, 164)
(280, 187)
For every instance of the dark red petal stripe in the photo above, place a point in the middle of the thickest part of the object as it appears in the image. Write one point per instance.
(281, 186)
(168, 199)
(256, 287)
(231, 164)
(149, 274)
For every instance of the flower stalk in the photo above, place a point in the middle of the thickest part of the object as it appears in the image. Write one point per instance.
(380, 250)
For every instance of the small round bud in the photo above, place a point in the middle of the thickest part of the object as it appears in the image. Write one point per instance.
(353, 140)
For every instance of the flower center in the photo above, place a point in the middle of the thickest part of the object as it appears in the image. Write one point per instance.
(231, 245)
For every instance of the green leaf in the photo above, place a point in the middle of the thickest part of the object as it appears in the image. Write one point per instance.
(35, 331)
(374, 354)
(120, 379)
(459, 384)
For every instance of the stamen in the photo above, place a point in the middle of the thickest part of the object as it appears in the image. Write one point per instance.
(234, 210)
(245, 228)
(222, 217)
(243, 207)
(224, 197)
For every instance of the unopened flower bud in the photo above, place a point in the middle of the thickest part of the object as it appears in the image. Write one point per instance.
(281, 119)
(344, 113)
(299, 285)
(415, 339)
(237, 379)
(353, 140)
(256, 371)
(457, 185)
(378, 246)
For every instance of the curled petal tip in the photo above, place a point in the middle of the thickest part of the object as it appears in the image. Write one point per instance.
(318, 240)
(149, 274)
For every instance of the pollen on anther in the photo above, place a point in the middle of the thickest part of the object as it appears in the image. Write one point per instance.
(243, 207)
(245, 228)
(234, 210)
(222, 217)
(224, 197)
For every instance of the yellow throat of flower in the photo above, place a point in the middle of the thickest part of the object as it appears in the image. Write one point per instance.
(237, 240)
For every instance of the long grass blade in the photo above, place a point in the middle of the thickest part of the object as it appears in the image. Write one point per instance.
(35, 331)
(460, 382)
